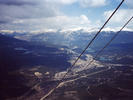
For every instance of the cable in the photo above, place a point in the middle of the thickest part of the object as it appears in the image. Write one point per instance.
(93, 39)
(110, 41)
(84, 50)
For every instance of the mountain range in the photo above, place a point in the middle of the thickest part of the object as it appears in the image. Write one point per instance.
(35, 62)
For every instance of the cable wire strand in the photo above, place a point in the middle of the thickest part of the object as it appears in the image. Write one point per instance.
(106, 45)
(69, 69)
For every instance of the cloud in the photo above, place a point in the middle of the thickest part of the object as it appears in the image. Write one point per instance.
(64, 2)
(37, 14)
(40, 14)
(13, 10)
(55, 22)
(129, 3)
(27, 9)
(21, 2)
(14, 14)
(92, 3)
(121, 16)
(36, 2)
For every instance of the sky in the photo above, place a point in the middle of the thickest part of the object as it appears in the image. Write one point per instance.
(33, 15)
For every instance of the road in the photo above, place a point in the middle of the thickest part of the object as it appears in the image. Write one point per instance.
(65, 82)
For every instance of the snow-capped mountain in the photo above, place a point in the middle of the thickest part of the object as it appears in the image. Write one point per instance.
(72, 37)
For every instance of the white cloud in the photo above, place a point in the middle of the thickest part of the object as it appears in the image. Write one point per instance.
(129, 3)
(60, 22)
(83, 3)
(92, 3)
(121, 16)
(11, 10)
(65, 2)
(55, 22)
(117, 29)
(40, 14)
